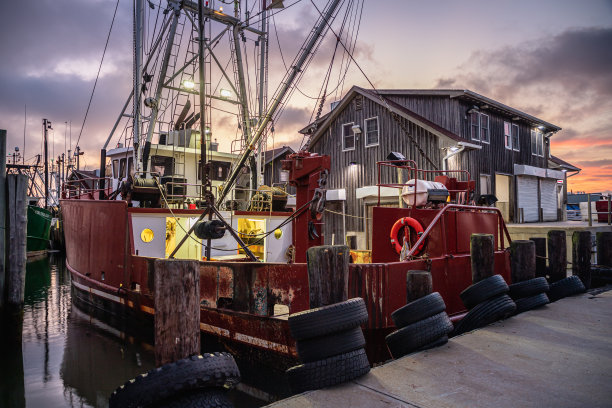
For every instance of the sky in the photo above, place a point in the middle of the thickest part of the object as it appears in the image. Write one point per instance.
(551, 59)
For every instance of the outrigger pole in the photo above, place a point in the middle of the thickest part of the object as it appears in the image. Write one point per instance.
(278, 98)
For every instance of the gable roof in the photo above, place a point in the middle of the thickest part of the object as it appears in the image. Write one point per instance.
(562, 164)
(378, 96)
(271, 155)
(447, 137)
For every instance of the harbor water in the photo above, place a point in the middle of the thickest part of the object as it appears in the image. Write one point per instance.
(60, 355)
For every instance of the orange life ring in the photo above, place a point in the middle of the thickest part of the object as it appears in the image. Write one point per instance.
(405, 222)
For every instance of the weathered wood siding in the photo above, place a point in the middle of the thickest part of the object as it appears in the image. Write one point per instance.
(364, 173)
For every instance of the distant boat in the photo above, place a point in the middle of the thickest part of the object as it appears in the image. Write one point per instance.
(39, 227)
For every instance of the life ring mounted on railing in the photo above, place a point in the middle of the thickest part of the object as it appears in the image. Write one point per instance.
(405, 223)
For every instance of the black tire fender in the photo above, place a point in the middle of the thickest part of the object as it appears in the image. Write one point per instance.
(484, 290)
(572, 285)
(419, 309)
(328, 319)
(319, 348)
(330, 371)
(416, 335)
(528, 288)
(486, 313)
(169, 380)
(532, 302)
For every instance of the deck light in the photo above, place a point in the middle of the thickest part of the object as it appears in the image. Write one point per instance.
(541, 127)
(188, 84)
(225, 93)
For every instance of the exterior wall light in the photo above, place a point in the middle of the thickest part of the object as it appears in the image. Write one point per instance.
(356, 129)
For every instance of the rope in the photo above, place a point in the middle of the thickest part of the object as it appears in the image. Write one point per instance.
(98, 74)
(347, 215)
(384, 102)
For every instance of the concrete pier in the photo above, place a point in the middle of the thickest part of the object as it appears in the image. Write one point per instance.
(557, 356)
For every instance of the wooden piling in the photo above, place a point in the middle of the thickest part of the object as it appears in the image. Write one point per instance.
(540, 252)
(177, 310)
(604, 248)
(327, 274)
(581, 256)
(557, 256)
(522, 260)
(418, 284)
(3, 202)
(482, 251)
(17, 225)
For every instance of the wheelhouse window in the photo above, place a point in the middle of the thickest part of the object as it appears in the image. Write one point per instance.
(116, 168)
(348, 137)
(122, 163)
(372, 133)
(537, 143)
(511, 136)
(479, 126)
(162, 165)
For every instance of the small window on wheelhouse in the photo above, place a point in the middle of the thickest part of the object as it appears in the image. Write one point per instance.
(130, 166)
(115, 168)
(122, 168)
(162, 165)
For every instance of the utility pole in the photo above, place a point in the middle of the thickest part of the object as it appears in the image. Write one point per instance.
(46, 127)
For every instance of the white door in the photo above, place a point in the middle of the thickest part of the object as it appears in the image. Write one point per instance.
(502, 192)
(527, 197)
(548, 199)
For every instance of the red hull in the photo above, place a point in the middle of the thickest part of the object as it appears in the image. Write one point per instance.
(238, 299)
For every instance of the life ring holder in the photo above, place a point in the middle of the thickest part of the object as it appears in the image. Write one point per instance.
(405, 222)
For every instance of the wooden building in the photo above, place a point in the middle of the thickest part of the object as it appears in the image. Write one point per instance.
(505, 151)
(272, 169)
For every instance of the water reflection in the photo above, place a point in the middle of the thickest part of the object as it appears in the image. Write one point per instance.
(60, 355)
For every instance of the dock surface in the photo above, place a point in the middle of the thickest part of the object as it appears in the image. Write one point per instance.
(557, 356)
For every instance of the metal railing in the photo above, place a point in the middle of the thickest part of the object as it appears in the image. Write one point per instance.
(77, 189)
(414, 173)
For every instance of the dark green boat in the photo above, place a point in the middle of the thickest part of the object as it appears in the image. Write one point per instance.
(39, 226)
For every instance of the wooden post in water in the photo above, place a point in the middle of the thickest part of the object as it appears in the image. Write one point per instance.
(3, 202)
(418, 284)
(327, 274)
(522, 260)
(581, 256)
(557, 256)
(604, 248)
(17, 226)
(177, 310)
(482, 252)
(540, 253)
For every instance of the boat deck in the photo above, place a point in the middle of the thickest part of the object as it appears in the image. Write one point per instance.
(557, 356)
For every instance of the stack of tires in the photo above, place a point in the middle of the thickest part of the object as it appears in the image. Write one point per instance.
(193, 382)
(330, 344)
(572, 285)
(487, 302)
(529, 294)
(422, 324)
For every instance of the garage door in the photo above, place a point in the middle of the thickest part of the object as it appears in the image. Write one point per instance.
(527, 197)
(548, 199)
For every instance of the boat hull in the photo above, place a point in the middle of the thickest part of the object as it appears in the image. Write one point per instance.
(245, 303)
(38, 230)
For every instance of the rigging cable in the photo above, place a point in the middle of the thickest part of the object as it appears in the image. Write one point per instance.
(98, 75)
(380, 97)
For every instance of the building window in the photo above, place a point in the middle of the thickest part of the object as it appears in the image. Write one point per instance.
(537, 143)
(485, 184)
(348, 137)
(511, 136)
(479, 126)
(371, 126)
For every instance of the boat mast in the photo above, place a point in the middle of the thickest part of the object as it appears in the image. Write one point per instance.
(138, 23)
(316, 34)
(263, 73)
(160, 84)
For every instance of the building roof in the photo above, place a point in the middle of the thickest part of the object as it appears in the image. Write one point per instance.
(271, 155)
(379, 96)
(562, 164)
(324, 122)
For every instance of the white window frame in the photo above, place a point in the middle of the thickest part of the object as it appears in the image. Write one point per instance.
(488, 141)
(350, 125)
(365, 128)
(478, 128)
(539, 143)
(511, 140)
(516, 146)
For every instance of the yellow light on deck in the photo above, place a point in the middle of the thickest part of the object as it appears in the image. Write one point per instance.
(188, 84)
(147, 235)
(278, 233)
